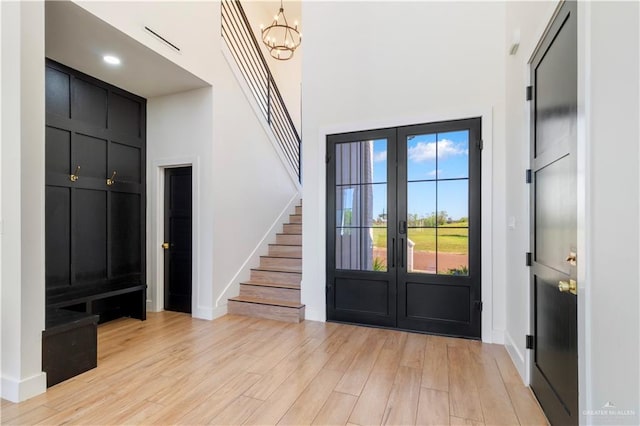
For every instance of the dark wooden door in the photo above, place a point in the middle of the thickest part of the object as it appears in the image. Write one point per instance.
(177, 246)
(554, 377)
(403, 228)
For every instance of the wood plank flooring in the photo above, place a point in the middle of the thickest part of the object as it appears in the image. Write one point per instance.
(172, 369)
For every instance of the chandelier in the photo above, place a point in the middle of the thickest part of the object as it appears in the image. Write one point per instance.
(280, 38)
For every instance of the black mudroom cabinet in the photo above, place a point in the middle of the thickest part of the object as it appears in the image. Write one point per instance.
(94, 200)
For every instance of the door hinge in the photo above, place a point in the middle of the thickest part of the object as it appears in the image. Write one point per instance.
(480, 144)
(529, 344)
(528, 176)
(528, 259)
(529, 93)
(327, 158)
(479, 305)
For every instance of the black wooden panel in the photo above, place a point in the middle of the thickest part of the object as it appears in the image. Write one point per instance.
(57, 236)
(57, 151)
(91, 155)
(556, 92)
(90, 235)
(125, 160)
(438, 302)
(180, 195)
(555, 214)
(368, 296)
(124, 115)
(89, 103)
(125, 234)
(57, 92)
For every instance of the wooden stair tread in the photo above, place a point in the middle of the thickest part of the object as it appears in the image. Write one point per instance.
(280, 257)
(277, 269)
(284, 304)
(289, 233)
(285, 245)
(268, 284)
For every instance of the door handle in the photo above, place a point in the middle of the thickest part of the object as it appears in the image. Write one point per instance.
(165, 246)
(393, 252)
(402, 227)
(570, 286)
(402, 252)
(73, 177)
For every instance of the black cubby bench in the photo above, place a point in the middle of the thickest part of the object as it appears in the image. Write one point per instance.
(69, 341)
(109, 301)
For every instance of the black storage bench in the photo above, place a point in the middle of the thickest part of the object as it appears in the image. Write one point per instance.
(69, 344)
(109, 301)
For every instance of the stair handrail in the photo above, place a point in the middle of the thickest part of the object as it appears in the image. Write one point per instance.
(245, 48)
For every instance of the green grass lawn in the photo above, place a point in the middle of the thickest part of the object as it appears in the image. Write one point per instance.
(450, 240)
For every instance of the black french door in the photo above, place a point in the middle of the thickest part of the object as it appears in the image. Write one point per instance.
(403, 228)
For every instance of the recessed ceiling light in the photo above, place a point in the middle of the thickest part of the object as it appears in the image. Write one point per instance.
(111, 60)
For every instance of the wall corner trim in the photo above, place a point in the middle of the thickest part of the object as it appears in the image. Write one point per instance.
(20, 390)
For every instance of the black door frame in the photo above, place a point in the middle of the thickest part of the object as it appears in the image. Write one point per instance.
(395, 249)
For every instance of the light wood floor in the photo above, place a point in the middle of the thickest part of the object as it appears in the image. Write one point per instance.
(172, 369)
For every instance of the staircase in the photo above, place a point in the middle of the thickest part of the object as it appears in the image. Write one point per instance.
(273, 291)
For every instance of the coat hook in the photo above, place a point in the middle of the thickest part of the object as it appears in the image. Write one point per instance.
(74, 176)
(112, 179)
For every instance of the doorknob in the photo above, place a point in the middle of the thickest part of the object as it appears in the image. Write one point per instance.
(165, 246)
(570, 286)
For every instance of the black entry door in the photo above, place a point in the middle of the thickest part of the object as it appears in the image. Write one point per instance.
(403, 228)
(177, 245)
(554, 302)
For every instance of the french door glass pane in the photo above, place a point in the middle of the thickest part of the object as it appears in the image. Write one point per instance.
(421, 157)
(453, 155)
(361, 205)
(421, 250)
(438, 203)
(453, 250)
(453, 202)
(421, 203)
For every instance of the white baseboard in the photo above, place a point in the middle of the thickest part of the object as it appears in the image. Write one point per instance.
(20, 390)
(516, 355)
(497, 336)
(314, 314)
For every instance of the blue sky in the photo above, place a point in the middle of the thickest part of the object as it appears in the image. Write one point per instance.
(452, 152)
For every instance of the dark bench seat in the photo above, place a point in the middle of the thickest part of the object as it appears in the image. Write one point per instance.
(69, 344)
(109, 301)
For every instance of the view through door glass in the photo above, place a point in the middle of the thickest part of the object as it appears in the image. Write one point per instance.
(438, 203)
(403, 227)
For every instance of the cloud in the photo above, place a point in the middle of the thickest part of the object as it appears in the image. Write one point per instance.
(425, 151)
(380, 156)
(433, 173)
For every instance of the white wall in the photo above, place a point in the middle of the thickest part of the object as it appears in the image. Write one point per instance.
(611, 333)
(22, 215)
(244, 186)
(526, 20)
(396, 68)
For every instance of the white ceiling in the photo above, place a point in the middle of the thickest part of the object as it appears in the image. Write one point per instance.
(78, 39)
